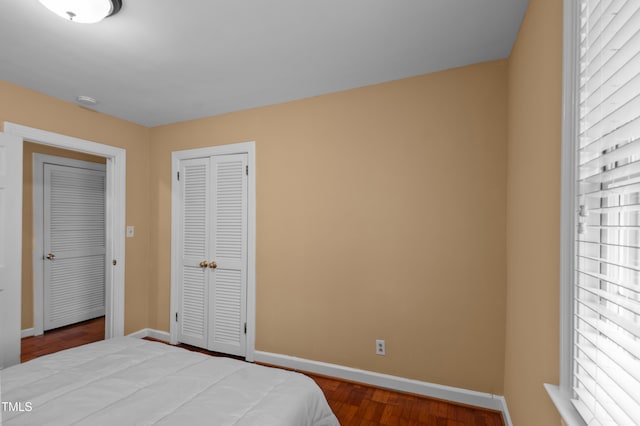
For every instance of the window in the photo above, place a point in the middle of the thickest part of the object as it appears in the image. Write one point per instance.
(601, 213)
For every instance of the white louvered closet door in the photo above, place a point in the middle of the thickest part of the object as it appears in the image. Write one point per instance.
(74, 245)
(213, 270)
(228, 239)
(194, 257)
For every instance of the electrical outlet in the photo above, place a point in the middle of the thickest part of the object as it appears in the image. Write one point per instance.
(380, 349)
(130, 231)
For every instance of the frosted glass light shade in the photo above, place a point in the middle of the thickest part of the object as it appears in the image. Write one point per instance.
(81, 11)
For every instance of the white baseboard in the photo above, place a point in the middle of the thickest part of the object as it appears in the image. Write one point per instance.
(27, 332)
(150, 332)
(449, 393)
(140, 334)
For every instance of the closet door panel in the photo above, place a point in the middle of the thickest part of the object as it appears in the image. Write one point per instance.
(194, 277)
(228, 244)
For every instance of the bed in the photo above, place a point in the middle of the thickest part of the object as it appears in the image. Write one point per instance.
(128, 381)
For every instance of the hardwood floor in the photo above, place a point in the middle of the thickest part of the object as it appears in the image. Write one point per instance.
(62, 338)
(354, 404)
(357, 404)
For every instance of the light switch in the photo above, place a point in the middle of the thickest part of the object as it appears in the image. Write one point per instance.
(130, 231)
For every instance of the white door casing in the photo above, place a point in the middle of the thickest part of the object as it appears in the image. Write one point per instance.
(73, 246)
(10, 253)
(115, 215)
(231, 247)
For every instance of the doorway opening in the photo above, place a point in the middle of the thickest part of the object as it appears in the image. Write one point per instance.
(115, 159)
(65, 194)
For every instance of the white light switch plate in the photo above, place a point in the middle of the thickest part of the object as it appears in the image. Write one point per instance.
(130, 230)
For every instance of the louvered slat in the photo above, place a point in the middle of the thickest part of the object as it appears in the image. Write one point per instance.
(607, 261)
(229, 239)
(605, 401)
(77, 209)
(608, 80)
(77, 282)
(618, 301)
(227, 307)
(589, 323)
(229, 204)
(195, 208)
(194, 315)
(75, 290)
(607, 285)
(596, 348)
(603, 42)
(194, 291)
(75, 232)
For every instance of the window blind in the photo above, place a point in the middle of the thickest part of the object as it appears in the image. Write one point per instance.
(606, 344)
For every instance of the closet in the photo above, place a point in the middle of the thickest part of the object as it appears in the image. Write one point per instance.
(211, 243)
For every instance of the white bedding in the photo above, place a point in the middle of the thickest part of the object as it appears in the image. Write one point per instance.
(127, 381)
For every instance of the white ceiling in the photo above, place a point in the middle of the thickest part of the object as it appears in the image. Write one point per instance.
(162, 61)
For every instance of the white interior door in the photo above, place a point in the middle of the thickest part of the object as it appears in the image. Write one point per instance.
(212, 277)
(74, 244)
(228, 242)
(10, 238)
(193, 286)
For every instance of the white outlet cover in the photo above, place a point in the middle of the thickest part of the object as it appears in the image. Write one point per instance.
(130, 231)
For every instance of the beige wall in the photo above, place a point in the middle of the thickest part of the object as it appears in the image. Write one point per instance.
(30, 108)
(533, 215)
(27, 218)
(380, 215)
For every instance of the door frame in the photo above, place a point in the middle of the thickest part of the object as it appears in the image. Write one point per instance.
(38, 229)
(115, 202)
(176, 157)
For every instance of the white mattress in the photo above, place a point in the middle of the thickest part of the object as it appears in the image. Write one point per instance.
(127, 381)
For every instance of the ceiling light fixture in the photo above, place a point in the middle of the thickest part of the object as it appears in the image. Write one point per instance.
(83, 11)
(86, 100)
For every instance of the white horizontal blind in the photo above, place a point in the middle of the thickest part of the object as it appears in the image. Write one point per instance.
(606, 348)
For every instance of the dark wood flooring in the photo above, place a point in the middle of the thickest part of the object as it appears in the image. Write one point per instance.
(354, 404)
(62, 338)
(358, 404)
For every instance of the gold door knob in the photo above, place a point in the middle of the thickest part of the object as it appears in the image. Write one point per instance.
(213, 264)
(51, 256)
(203, 264)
